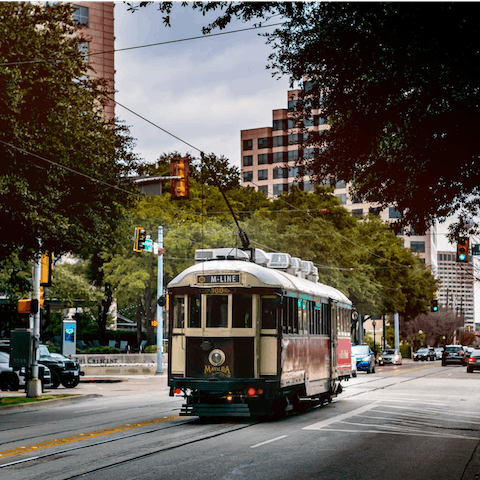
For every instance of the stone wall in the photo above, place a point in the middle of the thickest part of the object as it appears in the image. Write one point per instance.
(132, 364)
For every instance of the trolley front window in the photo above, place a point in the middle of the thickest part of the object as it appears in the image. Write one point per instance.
(178, 311)
(242, 311)
(269, 314)
(217, 311)
(194, 311)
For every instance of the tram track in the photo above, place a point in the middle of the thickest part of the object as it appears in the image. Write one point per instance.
(61, 453)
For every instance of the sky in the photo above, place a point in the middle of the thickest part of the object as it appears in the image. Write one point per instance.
(204, 91)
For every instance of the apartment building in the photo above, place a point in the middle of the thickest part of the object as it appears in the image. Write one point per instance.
(269, 158)
(457, 287)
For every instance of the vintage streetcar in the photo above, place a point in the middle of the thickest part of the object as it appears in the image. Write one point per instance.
(255, 336)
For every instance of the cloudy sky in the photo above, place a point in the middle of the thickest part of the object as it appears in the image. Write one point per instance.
(204, 91)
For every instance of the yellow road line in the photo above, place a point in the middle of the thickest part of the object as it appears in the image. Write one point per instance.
(84, 436)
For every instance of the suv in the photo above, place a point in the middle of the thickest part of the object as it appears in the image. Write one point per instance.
(423, 354)
(453, 354)
(64, 370)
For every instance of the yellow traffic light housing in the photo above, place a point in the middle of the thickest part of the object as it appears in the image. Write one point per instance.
(462, 249)
(46, 269)
(139, 240)
(180, 182)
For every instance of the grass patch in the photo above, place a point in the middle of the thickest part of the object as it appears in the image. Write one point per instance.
(9, 401)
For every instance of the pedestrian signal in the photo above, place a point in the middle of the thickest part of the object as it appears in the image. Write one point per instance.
(434, 306)
(462, 249)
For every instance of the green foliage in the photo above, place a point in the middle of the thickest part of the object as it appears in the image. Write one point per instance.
(65, 167)
(151, 349)
(401, 96)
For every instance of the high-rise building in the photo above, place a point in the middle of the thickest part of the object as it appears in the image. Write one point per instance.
(269, 158)
(457, 287)
(97, 20)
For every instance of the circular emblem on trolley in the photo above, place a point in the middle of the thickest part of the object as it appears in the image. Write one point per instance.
(216, 357)
(201, 279)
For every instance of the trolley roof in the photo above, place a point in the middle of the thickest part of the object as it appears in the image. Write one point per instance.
(270, 277)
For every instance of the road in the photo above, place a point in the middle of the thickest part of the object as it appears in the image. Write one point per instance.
(417, 421)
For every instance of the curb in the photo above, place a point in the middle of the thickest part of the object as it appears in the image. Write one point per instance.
(27, 407)
(102, 380)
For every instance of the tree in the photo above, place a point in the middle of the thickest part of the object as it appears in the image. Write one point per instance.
(65, 167)
(401, 96)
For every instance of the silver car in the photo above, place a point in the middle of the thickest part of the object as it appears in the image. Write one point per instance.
(392, 356)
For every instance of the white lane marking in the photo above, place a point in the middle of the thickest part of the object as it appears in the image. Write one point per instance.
(411, 434)
(269, 441)
(339, 418)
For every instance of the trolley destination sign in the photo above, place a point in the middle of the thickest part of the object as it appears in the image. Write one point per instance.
(222, 279)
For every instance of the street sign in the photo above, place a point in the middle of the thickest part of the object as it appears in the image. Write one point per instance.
(476, 249)
(148, 245)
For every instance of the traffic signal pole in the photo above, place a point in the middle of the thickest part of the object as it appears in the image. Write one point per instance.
(34, 383)
(159, 307)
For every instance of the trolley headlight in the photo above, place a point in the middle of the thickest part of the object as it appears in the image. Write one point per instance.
(216, 357)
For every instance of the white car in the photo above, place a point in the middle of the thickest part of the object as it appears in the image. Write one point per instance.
(354, 367)
(392, 356)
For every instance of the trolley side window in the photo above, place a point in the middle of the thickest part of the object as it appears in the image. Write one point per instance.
(217, 311)
(178, 311)
(269, 316)
(242, 310)
(195, 311)
(290, 317)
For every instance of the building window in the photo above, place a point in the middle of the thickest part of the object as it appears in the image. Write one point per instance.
(294, 172)
(84, 48)
(248, 160)
(319, 121)
(280, 173)
(309, 122)
(308, 187)
(394, 213)
(292, 105)
(418, 247)
(263, 174)
(263, 159)
(248, 144)
(293, 155)
(356, 199)
(279, 141)
(279, 188)
(279, 157)
(340, 184)
(279, 125)
(264, 142)
(309, 153)
(357, 212)
(80, 14)
(374, 211)
(247, 176)
(295, 138)
(264, 189)
(342, 197)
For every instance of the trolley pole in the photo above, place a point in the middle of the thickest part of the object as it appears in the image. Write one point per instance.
(160, 308)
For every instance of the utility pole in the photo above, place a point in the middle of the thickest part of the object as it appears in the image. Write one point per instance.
(160, 307)
(397, 336)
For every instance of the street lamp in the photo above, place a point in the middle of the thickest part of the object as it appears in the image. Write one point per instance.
(374, 346)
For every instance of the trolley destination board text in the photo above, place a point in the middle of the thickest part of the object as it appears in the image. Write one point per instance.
(219, 279)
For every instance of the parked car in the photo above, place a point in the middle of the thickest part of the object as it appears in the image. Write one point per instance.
(12, 380)
(473, 361)
(64, 370)
(468, 351)
(438, 352)
(392, 356)
(365, 358)
(9, 380)
(453, 354)
(424, 354)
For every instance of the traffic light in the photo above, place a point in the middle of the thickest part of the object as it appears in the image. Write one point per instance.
(180, 186)
(46, 269)
(153, 323)
(434, 306)
(139, 240)
(462, 249)
(42, 297)
(27, 306)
